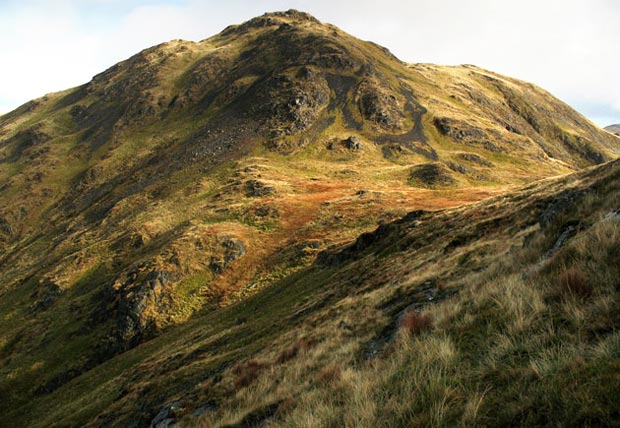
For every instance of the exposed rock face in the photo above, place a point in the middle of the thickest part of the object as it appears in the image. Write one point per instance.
(291, 103)
(562, 202)
(465, 133)
(234, 249)
(458, 130)
(336, 255)
(380, 104)
(270, 20)
(457, 167)
(612, 215)
(141, 298)
(166, 418)
(144, 300)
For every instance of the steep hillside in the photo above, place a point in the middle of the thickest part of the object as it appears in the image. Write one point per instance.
(500, 313)
(195, 174)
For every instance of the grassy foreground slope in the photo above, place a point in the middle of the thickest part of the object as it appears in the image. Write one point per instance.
(504, 313)
(501, 313)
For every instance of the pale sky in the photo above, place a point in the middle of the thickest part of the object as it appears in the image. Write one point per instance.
(569, 47)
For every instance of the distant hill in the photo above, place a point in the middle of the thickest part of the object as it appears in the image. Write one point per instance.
(195, 175)
(614, 129)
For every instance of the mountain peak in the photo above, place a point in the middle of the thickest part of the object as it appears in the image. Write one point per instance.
(272, 19)
(292, 15)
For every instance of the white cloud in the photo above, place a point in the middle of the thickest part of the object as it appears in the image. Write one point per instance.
(42, 50)
(568, 47)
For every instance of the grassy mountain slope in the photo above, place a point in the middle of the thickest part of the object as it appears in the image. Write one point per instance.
(500, 313)
(194, 175)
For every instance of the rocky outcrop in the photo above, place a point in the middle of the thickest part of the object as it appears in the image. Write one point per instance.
(460, 131)
(291, 102)
(233, 249)
(380, 104)
(431, 175)
(560, 204)
(258, 188)
(166, 418)
(418, 298)
(270, 20)
(5, 227)
(336, 255)
(353, 143)
(142, 297)
(474, 158)
(27, 143)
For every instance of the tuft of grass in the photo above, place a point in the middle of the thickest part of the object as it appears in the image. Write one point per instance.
(574, 282)
(330, 374)
(248, 372)
(291, 352)
(415, 323)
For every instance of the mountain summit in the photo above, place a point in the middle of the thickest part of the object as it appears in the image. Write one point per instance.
(193, 175)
